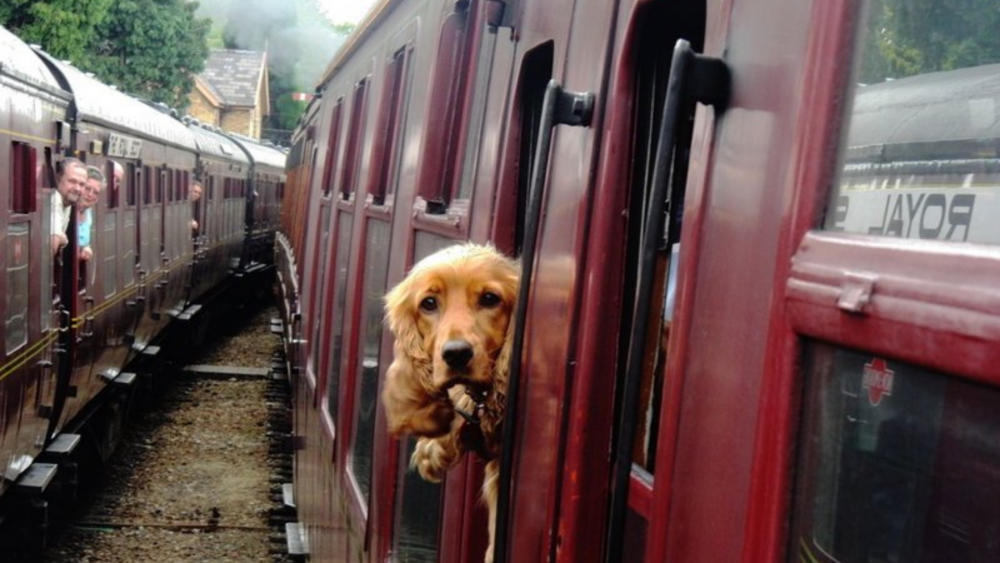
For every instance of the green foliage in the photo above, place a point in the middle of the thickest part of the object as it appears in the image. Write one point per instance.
(288, 111)
(149, 48)
(64, 28)
(908, 37)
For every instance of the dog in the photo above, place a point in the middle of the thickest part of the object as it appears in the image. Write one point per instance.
(452, 320)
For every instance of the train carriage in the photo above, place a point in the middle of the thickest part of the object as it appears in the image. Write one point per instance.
(80, 332)
(140, 271)
(32, 105)
(760, 317)
(221, 164)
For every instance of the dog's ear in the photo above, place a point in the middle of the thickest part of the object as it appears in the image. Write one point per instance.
(412, 403)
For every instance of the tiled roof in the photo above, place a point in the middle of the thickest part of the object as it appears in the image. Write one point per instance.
(234, 75)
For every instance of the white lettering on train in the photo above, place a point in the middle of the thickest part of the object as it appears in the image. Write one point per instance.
(936, 216)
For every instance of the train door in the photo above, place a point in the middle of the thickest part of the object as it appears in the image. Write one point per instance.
(545, 193)
(133, 276)
(635, 291)
(892, 299)
(367, 466)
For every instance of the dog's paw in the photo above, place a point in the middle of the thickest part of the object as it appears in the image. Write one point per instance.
(432, 459)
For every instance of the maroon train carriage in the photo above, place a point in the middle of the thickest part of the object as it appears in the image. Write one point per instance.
(31, 102)
(264, 193)
(75, 332)
(761, 316)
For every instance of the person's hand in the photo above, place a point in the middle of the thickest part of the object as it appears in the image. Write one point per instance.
(86, 253)
(194, 225)
(59, 240)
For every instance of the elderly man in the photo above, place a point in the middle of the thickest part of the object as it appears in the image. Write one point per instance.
(71, 176)
(85, 218)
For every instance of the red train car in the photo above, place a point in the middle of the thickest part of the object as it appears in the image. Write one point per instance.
(761, 322)
(80, 327)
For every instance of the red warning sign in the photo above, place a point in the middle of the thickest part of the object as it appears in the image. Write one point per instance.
(877, 379)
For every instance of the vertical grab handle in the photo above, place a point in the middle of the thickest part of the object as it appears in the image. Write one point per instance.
(559, 107)
(88, 318)
(693, 78)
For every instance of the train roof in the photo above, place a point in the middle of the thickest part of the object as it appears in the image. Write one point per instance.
(958, 105)
(217, 144)
(375, 15)
(101, 104)
(262, 154)
(17, 60)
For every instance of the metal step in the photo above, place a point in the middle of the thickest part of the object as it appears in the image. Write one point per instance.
(288, 495)
(228, 370)
(36, 479)
(298, 542)
(64, 444)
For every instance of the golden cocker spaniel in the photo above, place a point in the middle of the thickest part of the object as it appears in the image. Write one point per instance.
(452, 318)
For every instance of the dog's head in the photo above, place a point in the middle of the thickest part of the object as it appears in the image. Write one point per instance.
(451, 317)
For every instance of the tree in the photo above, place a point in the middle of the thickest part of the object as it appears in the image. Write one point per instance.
(64, 28)
(907, 37)
(151, 48)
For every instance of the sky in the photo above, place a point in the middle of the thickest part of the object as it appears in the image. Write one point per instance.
(340, 11)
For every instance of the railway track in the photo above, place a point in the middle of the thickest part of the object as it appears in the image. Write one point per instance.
(198, 476)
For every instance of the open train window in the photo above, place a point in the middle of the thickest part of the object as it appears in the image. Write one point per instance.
(333, 145)
(355, 134)
(639, 396)
(439, 167)
(391, 114)
(24, 178)
(418, 502)
(133, 177)
(115, 175)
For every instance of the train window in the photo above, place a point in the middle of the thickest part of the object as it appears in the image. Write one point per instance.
(438, 170)
(376, 266)
(921, 158)
(898, 463)
(345, 223)
(147, 189)
(157, 190)
(115, 174)
(535, 75)
(128, 255)
(109, 253)
(385, 152)
(130, 188)
(477, 112)
(320, 278)
(661, 27)
(18, 249)
(418, 502)
(333, 145)
(355, 132)
(46, 280)
(24, 178)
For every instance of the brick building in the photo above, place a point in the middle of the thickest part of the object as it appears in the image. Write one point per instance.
(232, 91)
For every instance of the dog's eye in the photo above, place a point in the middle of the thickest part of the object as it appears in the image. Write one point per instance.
(429, 304)
(489, 299)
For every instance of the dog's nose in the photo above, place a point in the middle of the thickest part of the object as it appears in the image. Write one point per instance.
(456, 353)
